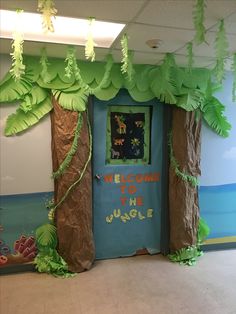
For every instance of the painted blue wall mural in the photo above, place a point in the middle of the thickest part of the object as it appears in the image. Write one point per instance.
(218, 180)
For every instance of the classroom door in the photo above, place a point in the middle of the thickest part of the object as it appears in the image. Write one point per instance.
(127, 171)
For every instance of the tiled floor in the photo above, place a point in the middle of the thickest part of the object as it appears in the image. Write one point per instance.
(142, 285)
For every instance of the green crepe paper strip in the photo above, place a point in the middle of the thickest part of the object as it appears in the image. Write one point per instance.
(71, 62)
(66, 162)
(163, 85)
(234, 78)
(44, 63)
(23, 119)
(18, 68)
(221, 47)
(81, 174)
(190, 56)
(48, 260)
(127, 57)
(182, 175)
(89, 46)
(48, 10)
(198, 20)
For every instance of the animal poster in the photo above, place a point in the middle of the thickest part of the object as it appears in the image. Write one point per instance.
(128, 135)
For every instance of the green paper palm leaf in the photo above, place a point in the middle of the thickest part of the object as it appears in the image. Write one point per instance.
(72, 101)
(213, 115)
(20, 121)
(12, 90)
(46, 236)
(192, 100)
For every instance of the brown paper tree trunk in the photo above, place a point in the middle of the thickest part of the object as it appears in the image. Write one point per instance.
(183, 197)
(74, 216)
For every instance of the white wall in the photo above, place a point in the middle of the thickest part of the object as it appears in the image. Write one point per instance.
(25, 159)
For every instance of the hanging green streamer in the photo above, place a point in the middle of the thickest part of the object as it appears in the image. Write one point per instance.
(18, 68)
(81, 174)
(190, 56)
(221, 47)
(48, 10)
(198, 19)
(182, 175)
(234, 78)
(73, 69)
(127, 59)
(89, 46)
(44, 63)
(66, 162)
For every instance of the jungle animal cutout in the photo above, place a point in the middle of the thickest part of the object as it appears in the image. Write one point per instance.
(121, 125)
(119, 141)
(114, 154)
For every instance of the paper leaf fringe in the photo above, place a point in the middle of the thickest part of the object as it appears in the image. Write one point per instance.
(186, 256)
(198, 20)
(18, 68)
(190, 56)
(89, 46)
(127, 59)
(66, 162)
(76, 101)
(48, 10)
(234, 78)
(221, 47)
(213, 115)
(44, 63)
(20, 121)
(46, 236)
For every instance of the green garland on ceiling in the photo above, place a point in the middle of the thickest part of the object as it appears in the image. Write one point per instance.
(48, 10)
(221, 46)
(175, 165)
(89, 45)
(127, 58)
(44, 63)
(198, 20)
(18, 68)
(190, 56)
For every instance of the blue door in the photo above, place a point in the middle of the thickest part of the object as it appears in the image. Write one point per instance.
(127, 171)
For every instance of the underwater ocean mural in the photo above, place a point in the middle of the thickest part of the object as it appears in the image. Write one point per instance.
(20, 215)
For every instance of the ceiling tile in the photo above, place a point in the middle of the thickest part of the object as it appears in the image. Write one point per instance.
(178, 13)
(107, 10)
(199, 62)
(230, 24)
(172, 39)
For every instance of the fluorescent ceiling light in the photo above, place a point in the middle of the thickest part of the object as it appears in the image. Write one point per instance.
(70, 31)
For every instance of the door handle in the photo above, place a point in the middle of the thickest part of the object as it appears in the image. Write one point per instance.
(97, 176)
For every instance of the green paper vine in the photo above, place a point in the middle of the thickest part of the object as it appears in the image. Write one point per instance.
(18, 68)
(190, 56)
(127, 58)
(44, 63)
(72, 151)
(81, 174)
(221, 47)
(198, 20)
(234, 78)
(182, 175)
(48, 10)
(89, 46)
